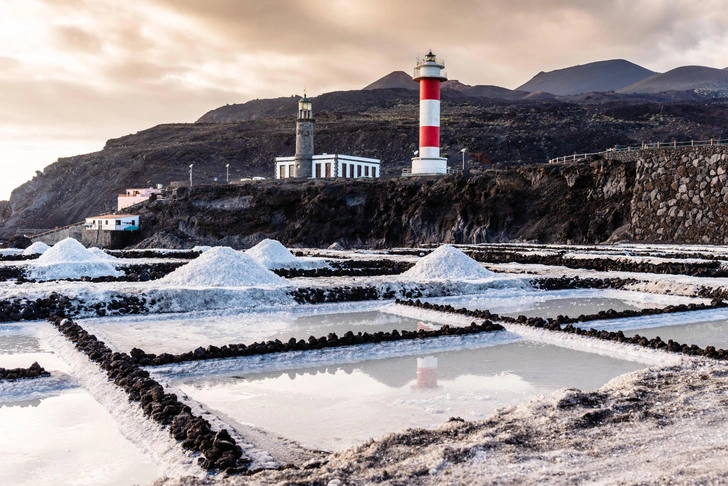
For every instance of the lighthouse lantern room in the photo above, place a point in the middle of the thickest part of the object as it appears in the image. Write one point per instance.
(429, 73)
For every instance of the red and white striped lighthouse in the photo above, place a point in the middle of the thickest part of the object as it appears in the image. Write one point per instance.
(429, 73)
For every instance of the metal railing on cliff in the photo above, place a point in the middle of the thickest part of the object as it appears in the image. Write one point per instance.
(644, 146)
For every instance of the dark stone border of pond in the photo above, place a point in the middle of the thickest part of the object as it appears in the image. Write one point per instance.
(555, 325)
(318, 295)
(18, 258)
(711, 268)
(219, 450)
(563, 283)
(349, 268)
(293, 344)
(57, 304)
(34, 371)
(141, 272)
(182, 255)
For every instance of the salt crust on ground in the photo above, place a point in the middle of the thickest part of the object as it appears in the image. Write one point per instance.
(70, 259)
(222, 266)
(447, 263)
(664, 425)
(37, 248)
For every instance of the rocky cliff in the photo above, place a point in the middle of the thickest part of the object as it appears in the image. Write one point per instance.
(584, 203)
(373, 123)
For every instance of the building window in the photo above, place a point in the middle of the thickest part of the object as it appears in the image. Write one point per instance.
(366, 171)
(328, 170)
(118, 222)
(358, 170)
(343, 170)
(106, 222)
(318, 171)
(282, 172)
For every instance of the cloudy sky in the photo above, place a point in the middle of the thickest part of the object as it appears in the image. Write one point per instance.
(74, 73)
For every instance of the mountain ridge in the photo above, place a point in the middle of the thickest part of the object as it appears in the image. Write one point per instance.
(599, 76)
(682, 78)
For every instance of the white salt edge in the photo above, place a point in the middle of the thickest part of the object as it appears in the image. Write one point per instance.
(222, 266)
(447, 263)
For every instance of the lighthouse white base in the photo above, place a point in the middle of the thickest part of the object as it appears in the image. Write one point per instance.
(429, 165)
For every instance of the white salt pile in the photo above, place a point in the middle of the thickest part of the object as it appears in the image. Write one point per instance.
(201, 248)
(222, 266)
(272, 254)
(70, 259)
(37, 248)
(101, 254)
(447, 263)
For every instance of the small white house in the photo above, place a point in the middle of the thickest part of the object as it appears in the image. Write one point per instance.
(327, 166)
(113, 222)
(134, 196)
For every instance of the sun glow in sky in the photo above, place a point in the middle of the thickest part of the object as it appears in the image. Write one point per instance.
(74, 73)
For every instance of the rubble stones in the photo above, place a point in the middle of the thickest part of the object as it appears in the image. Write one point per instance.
(34, 371)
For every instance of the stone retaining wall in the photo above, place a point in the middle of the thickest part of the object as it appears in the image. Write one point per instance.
(681, 196)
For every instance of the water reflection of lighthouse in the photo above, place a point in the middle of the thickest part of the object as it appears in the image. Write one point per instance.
(427, 372)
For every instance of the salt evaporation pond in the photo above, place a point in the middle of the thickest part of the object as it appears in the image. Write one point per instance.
(20, 347)
(703, 328)
(54, 432)
(179, 333)
(337, 406)
(67, 439)
(713, 333)
(553, 303)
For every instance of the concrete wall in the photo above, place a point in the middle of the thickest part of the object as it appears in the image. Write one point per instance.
(681, 195)
(113, 240)
(74, 232)
(100, 238)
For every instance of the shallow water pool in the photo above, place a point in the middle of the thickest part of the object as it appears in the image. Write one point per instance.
(175, 333)
(67, 439)
(572, 303)
(334, 407)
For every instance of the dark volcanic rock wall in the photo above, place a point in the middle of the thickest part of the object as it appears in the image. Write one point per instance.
(582, 203)
(681, 196)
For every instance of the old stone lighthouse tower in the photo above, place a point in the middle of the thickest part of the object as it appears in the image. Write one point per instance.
(303, 160)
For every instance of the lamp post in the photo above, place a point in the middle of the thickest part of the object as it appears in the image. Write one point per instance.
(463, 152)
(191, 174)
(227, 173)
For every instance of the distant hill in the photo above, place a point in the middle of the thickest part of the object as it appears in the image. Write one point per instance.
(400, 79)
(395, 79)
(539, 96)
(599, 76)
(685, 78)
(485, 91)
